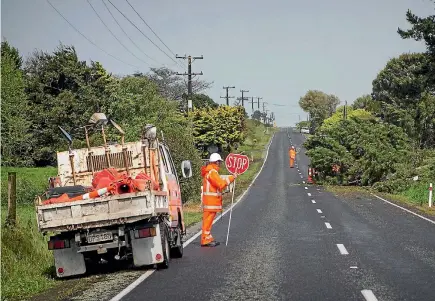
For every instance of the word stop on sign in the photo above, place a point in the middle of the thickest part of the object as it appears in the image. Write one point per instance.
(237, 163)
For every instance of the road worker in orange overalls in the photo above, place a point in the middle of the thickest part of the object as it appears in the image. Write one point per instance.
(212, 186)
(292, 156)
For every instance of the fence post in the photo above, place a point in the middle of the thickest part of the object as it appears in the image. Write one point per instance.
(430, 195)
(12, 199)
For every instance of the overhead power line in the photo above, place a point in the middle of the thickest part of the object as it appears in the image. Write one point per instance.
(119, 41)
(90, 41)
(131, 40)
(150, 28)
(142, 33)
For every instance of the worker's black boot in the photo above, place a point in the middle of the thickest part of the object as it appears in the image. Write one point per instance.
(211, 244)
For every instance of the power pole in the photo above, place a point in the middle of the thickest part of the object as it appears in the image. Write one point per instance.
(258, 102)
(264, 103)
(345, 111)
(189, 73)
(252, 103)
(265, 115)
(228, 97)
(243, 98)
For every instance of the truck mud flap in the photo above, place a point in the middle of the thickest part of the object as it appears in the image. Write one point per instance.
(147, 251)
(69, 261)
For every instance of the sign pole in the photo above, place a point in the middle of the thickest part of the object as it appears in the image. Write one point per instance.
(235, 164)
(231, 211)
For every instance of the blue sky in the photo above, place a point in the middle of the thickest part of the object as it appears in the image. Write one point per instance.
(276, 49)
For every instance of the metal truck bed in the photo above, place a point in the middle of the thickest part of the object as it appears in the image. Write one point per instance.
(100, 212)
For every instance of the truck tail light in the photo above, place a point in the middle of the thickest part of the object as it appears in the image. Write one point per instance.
(58, 244)
(144, 232)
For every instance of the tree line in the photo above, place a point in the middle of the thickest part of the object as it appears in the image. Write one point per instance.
(48, 90)
(385, 138)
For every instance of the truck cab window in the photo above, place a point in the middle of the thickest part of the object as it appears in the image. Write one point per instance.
(171, 162)
(165, 162)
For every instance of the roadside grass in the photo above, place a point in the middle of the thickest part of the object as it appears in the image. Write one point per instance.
(30, 182)
(26, 263)
(414, 198)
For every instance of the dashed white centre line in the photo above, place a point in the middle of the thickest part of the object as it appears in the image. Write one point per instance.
(306, 188)
(328, 225)
(368, 294)
(342, 249)
(309, 194)
(319, 211)
(303, 181)
(313, 201)
(301, 176)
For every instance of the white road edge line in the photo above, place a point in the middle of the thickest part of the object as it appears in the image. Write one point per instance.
(420, 216)
(313, 201)
(309, 194)
(342, 249)
(368, 294)
(328, 225)
(148, 273)
(319, 211)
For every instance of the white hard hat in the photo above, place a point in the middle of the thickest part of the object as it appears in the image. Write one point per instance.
(215, 157)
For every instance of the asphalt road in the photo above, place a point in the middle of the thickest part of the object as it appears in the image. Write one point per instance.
(291, 241)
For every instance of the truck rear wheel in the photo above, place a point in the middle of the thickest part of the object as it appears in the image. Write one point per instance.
(177, 251)
(165, 246)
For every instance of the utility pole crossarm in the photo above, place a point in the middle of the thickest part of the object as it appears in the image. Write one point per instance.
(243, 98)
(228, 97)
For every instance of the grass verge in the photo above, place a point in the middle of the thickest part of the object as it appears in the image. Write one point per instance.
(410, 199)
(26, 263)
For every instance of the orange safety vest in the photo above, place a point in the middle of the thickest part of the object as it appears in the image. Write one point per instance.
(212, 186)
(292, 153)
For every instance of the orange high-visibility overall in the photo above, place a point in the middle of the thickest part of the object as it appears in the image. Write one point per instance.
(292, 155)
(212, 186)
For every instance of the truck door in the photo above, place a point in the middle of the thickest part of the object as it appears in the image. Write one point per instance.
(173, 186)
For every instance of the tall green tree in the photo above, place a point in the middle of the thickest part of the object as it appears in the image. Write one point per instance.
(398, 90)
(224, 126)
(63, 91)
(256, 115)
(320, 106)
(423, 29)
(366, 102)
(16, 139)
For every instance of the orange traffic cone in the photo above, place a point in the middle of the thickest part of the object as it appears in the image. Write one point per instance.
(310, 176)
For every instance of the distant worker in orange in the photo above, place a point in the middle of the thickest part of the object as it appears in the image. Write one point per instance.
(292, 156)
(212, 186)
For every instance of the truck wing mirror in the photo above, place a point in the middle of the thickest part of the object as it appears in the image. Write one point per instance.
(186, 169)
(66, 135)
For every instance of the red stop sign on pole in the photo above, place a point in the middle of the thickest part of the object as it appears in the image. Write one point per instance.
(237, 163)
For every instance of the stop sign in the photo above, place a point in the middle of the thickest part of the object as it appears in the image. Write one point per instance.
(237, 163)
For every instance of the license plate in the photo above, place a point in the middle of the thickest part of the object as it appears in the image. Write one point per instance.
(97, 237)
